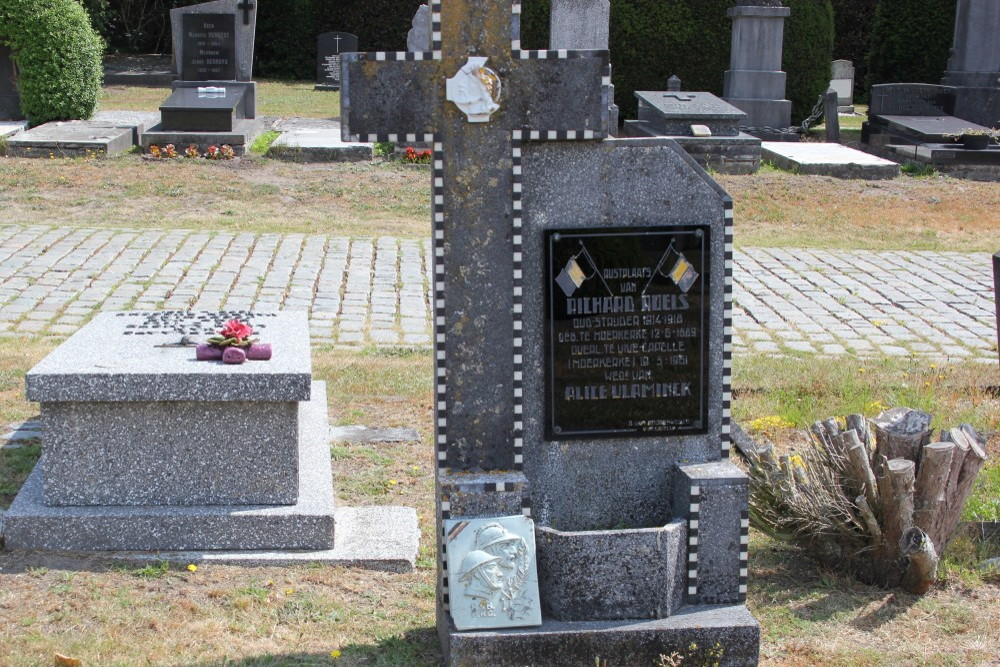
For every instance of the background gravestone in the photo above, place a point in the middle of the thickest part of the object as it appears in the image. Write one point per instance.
(754, 82)
(974, 66)
(418, 39)
(329, 46)
(842, 82)
(10, 100)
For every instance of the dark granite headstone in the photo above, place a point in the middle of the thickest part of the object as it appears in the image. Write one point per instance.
(329, 46)
(912, 99)
(10, 99)
(209, 47)
(510, 171)
(188, 110)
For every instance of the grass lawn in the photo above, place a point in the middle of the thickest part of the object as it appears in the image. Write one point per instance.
(106, 614)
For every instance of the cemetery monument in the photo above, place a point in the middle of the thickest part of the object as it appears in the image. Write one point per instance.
(842, 81)
(754, 81)
(329, 46)
(707, 127)
(148, 449)
(583, 24)
(214, 99)
(582, 369)
(926, 122)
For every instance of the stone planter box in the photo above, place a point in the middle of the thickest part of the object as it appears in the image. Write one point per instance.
(611, 574)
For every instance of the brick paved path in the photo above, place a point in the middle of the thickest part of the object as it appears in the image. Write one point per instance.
(378, 290)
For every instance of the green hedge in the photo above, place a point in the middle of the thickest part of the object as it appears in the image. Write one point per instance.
(58, 56)
(852, 27)
(910, 41)
(807, 54)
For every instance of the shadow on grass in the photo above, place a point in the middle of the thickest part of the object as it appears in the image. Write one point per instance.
(786, 580)
(413, 648)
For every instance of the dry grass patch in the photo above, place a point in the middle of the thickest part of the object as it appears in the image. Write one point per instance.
(778, 209)
(248, 195)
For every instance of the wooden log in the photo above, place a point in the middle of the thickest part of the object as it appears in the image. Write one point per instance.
(832, 427)
(859, 424)
(929, 498)
(921, 561)
(857, 454)
(819, 431)
(896, 509)
(958, 437)
(868, 516)
(900, 433)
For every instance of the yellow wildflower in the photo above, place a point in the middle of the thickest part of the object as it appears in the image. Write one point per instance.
(192, 568)
(334, 654)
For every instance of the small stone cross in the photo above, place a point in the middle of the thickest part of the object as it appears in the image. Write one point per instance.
(247, 6)
(522, 96)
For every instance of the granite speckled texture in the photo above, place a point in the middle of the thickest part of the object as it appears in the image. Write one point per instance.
(171, 453)
(107, 360)
(307, 524)
(571, 644)
(635, 182)
(612, 574)
(382, 538)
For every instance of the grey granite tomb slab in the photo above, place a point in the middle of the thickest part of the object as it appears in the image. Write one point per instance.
(74, 138)
(673, 113)
(932, 129)
(306, 524)
(11, 127)
(315, 140)
(571, 644)
(171, 453)
(115, 358)
(244, 33)
(828, 159)
(137, 120)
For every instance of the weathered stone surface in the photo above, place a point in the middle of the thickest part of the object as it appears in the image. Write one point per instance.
(116, 358)
(754, 81)
(828, 159)
(673, 113)
(571, 644)
(615, 182)
(245, 26)
(170, 453)
(315, 140)
(74, 138)
(612, 574)
(579, 24)
(306, 524)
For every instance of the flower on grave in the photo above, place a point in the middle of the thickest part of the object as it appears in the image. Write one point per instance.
(192, 151)
(233, 333)
(212, 153)
(413, 156)
(227, 152)
(154, 150)
(169, 151)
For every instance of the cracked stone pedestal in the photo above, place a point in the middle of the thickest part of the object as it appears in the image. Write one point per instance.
(149, 453)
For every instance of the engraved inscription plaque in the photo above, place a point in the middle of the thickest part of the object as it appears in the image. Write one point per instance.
(626, 331)
(209, 47)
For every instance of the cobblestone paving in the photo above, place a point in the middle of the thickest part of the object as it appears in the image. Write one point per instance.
(377, 291)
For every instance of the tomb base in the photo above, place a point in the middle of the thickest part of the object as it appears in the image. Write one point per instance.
(724, 635)
(306, 524)
(244, 131)
(738, 154)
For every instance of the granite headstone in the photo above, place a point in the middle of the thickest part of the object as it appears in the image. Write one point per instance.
(510, 173)
(418, 39)
(583, 24)
(329, 46)
(10, 99)
(842, 81)
(754, 81)
(215, 47)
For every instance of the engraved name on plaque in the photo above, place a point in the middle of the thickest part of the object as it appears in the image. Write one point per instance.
(626, 331)
(209, 47)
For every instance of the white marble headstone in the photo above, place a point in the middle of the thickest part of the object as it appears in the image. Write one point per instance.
(492, 573)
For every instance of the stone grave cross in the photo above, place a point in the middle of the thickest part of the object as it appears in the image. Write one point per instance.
(515, 95)
(247, 6)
